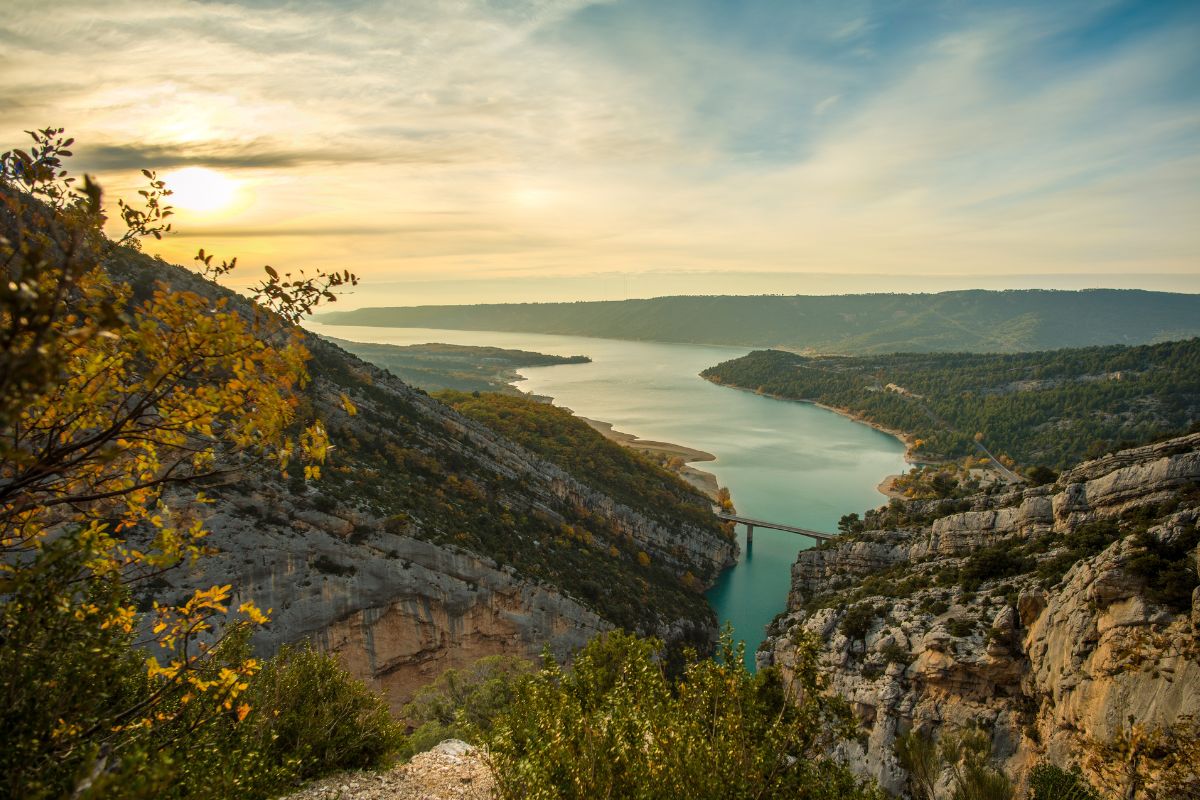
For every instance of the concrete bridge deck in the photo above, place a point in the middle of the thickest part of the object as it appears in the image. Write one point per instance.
(751, 524)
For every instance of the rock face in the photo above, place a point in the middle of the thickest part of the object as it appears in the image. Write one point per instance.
(397, 617)
(432, 540)
(1061, 619)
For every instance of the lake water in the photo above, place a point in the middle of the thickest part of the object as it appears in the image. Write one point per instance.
(784, 462)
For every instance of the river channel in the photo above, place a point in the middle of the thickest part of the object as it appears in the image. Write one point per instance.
(785, 462)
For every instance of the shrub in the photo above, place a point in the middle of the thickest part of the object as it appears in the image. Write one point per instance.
(1085, 541)
(965, 753)
(919, 757)
(858, 620)
(896, 653)
(462, 703)
(615, 726)
(297, 717)
(1048, 782)
(1167, 570)
(1001, 560)
(961, 626)
(933, 605)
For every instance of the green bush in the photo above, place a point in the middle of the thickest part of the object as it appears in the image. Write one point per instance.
(615, 726)
(61, 676)
(462, 703)
(858, 620)
(1002, 560)
(961, 626)
(896, 653)
(1084, 542)
(966, 753)
(68, 686)
(920, 758)
(1048, 782)
(307, 712)
(1167, 570)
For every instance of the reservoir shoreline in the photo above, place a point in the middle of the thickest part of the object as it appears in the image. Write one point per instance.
(887, 485)
(706, 482)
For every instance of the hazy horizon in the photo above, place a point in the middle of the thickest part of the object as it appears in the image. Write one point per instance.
(560, 149)
(642, 286)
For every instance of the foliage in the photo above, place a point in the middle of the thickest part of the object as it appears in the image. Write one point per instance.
(1048, 782)
(850, 523)
(559, 436)
(939, 481)
(856, 624)
(961, 626)
(463, 368)
(462, 703)
(1154, 763)
(966, 753)
(115, 408)
(75, 696)
(615, 726)
(1041, 408)
(307, 717)
(1167, 568)
(996, 561)
(1084, 541)
(920, 758)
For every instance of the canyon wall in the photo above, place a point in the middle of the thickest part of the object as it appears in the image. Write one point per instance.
(1060, 619)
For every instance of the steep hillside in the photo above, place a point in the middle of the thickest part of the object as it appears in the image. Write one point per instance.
(570, 442)
(978, 321)
(431, 540)
(1062, 620)
(1048, 408)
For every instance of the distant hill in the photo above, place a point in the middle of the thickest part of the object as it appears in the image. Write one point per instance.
(976, 321)
(1045, 408)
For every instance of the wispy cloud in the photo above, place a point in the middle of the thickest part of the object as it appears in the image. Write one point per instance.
(569, 137)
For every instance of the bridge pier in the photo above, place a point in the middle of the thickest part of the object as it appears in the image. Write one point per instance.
(749, 535)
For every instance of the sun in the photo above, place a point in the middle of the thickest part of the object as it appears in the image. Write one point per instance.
(200, 189)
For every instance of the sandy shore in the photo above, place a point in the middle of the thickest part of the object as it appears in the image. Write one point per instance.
(887, 487)
(704, 481)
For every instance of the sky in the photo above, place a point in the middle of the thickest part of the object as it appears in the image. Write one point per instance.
(505, 150)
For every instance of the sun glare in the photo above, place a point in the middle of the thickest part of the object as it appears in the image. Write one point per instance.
(200, 189)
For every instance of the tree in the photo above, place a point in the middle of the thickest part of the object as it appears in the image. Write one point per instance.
(115, 409)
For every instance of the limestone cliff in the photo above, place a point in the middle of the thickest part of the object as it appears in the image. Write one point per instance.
(1061, 619)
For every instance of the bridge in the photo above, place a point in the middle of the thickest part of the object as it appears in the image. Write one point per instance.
(751, 524)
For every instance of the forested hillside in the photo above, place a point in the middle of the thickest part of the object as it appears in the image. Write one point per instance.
(434, 367)
(559, 436)
(1050, 409)
(976, 321)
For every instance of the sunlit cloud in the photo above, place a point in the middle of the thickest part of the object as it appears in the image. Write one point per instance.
(465, 140)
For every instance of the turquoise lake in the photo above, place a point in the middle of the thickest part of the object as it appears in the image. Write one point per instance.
(792, 463)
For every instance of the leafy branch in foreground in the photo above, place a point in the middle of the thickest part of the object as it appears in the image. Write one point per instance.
(114, 411)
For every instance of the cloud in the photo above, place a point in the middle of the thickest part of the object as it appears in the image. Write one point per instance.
(855, 136)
